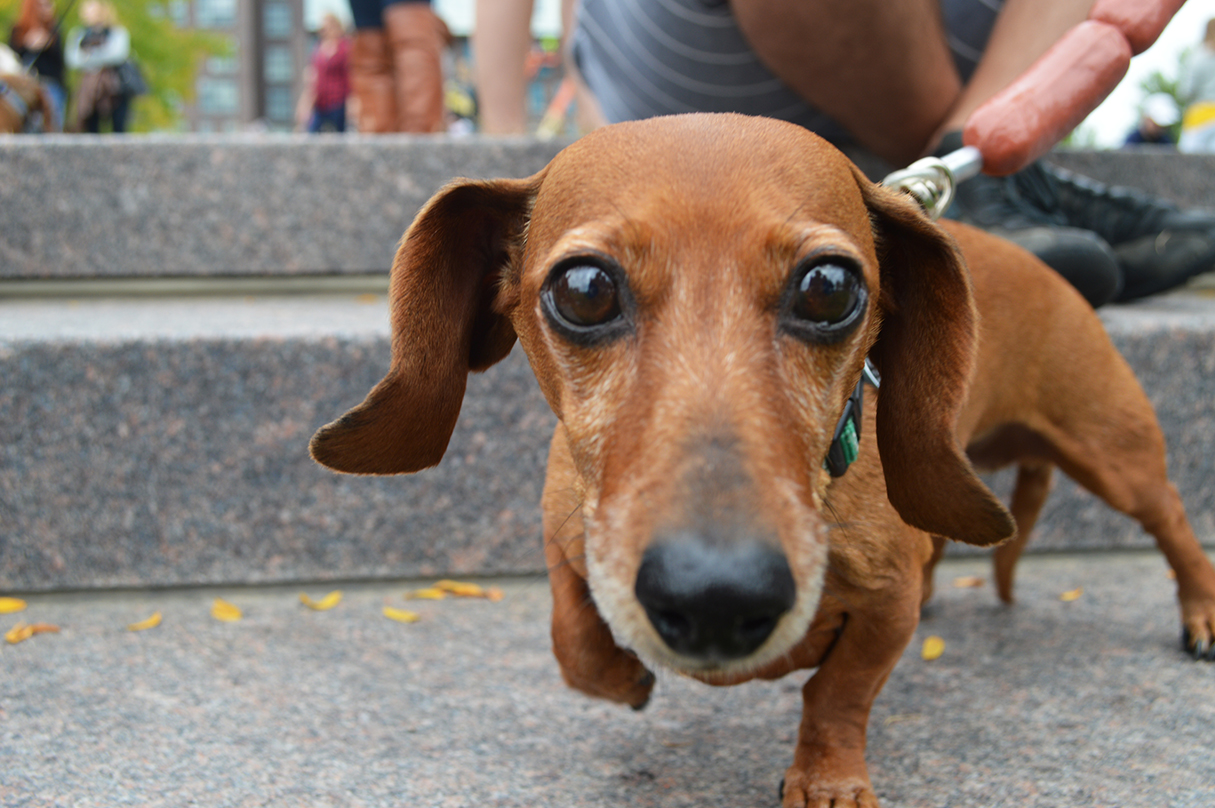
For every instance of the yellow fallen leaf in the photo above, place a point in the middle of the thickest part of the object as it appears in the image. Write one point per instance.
(18, 633)
(934, 646)
(1072, 594)
(21, 631)
(225, 611)
(144, 625)
(493, 594)
(968, 582)
(401, 615)
(10, 605)
(426, 594)
(325, 603)
(460, 589)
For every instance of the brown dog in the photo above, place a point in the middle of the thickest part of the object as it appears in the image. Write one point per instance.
(697, 296)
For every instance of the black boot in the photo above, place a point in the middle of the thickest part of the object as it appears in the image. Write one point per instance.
(997, 205)
(1158, 245)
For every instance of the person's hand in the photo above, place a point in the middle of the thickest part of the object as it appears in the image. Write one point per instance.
(37, 39)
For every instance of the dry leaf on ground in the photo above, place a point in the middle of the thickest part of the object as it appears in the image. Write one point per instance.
(460, 589)
(968, 582)
(325, 603)
(1072, 594)
(933, 647)
(401, 615)
(433, 593)
(22, 631)
(468, 590)
(11, 605)
(144, 625)
(225, 611)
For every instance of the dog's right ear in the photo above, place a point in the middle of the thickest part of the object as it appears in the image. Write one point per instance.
(449, 297)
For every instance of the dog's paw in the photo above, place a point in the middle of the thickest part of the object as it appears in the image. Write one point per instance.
(820, 797)
(834, 780)
(1198, 628)
(623, 680)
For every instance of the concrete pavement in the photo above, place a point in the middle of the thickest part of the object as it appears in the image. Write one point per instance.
(1048, 703)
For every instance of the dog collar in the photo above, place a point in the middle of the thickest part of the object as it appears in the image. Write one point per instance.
(846, 442)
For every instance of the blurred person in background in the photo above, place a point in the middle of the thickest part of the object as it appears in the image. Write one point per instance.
(1156, 118)
(1196, 86)
(396, 66)
(322, 105)
(97, 50)
(891, 79)
(36, 41)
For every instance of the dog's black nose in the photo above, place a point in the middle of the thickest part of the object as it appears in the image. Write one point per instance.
(714, 601)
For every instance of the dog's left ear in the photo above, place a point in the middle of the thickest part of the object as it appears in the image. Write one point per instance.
(447, 320)
(925, 353)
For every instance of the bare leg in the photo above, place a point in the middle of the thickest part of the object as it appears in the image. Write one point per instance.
(894, 58)
(500, 43)
(889, 55)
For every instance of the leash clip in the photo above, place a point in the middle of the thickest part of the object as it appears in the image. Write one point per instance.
(932, 181)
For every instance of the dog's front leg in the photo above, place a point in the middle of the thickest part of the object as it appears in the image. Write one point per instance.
(590, 659)
(829, 762)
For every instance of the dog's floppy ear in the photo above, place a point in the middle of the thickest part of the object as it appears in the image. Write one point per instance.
(447, 275)
(925, 353)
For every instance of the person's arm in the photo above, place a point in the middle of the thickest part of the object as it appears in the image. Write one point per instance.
(1026, 118)
(303, 108)
(72, 54)
(110, 53)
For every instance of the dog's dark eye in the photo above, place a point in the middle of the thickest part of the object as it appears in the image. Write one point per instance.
(826, 299)
(585, 296)
(583, 300)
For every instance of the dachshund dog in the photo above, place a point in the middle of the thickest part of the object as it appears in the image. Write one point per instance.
(698, 296)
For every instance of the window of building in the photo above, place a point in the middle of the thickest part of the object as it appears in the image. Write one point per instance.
(218, 96)
(223, 65)
(279, 66)
(278, 104)
(276, 19)
(215, 13)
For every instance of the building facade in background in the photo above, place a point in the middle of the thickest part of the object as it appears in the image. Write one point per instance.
(256, 87)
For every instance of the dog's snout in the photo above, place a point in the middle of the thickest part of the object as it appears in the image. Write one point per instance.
(714, 601)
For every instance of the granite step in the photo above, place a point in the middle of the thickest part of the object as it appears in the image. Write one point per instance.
(163, 441)
(162, 375)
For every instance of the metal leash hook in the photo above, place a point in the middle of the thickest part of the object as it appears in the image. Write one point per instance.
(933, 180)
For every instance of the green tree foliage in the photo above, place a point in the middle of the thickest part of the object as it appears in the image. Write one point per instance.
(169, 56)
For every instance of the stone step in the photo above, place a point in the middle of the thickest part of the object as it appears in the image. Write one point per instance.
(178, 315)
(163, 441)
(238, 205)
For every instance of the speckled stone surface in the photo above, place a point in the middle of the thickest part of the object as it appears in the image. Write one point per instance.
(1182, 178)
(244, 205)
(143, 442)
(164, 442)
(142, 205)
(1088, 704)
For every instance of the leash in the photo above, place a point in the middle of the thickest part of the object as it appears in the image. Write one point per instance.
(932, 182)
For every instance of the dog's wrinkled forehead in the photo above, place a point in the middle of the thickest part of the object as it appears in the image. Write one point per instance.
(691, 170)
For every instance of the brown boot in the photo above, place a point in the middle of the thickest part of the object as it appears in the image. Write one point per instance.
(417, 37)
(371, 81)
